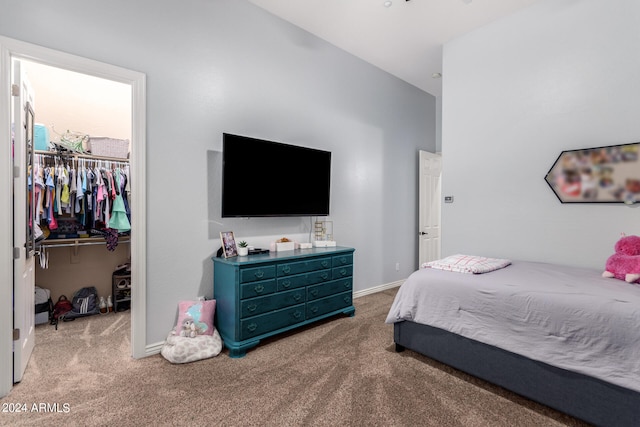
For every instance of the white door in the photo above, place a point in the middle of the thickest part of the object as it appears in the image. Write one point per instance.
(429, 206)
(24, 254)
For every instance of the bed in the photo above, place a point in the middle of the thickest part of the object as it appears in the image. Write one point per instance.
(563, 336)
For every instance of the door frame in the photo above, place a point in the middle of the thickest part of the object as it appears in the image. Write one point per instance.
(14, 49)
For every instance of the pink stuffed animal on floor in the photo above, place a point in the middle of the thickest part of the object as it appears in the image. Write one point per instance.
(625, 263)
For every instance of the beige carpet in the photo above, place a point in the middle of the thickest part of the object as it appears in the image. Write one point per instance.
(339, 372)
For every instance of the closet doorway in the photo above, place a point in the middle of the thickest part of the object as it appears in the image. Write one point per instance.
(11, 51)
(82, 139)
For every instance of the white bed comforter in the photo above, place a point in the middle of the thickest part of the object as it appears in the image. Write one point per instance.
(567, 317)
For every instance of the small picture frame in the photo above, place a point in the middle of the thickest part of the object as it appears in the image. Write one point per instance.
(229, 248)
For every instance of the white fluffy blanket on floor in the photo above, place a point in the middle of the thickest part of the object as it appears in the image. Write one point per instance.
(177, 349)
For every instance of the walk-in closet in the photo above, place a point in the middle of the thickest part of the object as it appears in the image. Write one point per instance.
(81, 189)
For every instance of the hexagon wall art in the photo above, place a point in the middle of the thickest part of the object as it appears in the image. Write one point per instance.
(608, 174)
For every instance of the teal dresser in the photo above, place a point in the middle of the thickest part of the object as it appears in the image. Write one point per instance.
(258, 296)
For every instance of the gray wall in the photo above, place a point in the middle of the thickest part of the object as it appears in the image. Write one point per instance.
(227, 66)
(560, 75)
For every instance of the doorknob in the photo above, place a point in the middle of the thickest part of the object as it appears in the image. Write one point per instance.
(422, 233)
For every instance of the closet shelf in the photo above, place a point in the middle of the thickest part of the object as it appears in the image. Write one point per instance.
(81, 241)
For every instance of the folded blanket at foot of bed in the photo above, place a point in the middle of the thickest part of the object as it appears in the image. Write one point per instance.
(467, 264)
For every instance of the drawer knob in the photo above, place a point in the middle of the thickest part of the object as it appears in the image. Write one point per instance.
(297, 314)
(286, 283)
(314, 292)
(252, 307)
(258, 288)
(324, 276)
(347, 299)
(324, 263)
(252, 327)
(297, 297)
(346, 284)
(343, 272)
(286, 269)
(314, 309)
(343, 260)
(259, 274)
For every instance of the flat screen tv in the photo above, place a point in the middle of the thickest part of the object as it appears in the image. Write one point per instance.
(608, 174)
(263, 178)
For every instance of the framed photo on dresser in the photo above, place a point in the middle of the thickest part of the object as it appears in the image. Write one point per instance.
(229, 248)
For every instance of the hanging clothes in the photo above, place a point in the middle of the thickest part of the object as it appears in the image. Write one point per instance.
(119, 220)
(51, 191)
(80, 196)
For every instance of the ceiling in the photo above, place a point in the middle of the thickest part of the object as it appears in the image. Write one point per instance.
(404, 39)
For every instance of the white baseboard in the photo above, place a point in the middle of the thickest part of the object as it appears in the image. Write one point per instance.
(375, 289)
(155, 348)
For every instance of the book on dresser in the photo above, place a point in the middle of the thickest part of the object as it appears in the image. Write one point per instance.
(258, 296)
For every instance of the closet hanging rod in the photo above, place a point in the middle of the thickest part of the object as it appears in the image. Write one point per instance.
(80, 156)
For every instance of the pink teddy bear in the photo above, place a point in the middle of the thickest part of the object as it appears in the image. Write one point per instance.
(625, 263)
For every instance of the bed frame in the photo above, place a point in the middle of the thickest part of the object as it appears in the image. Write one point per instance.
(580, 396)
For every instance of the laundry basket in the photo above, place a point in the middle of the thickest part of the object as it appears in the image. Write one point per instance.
(109, 147)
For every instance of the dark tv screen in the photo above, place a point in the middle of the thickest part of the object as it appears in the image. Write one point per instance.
(263, 178)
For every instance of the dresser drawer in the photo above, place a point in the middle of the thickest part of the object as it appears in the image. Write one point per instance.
(253, 306)
(257, 273)
(258, 325)
(255, 289)
(298, 267)
(340, 260)
(326, 305)
(291, 282)
(330, 288)
(340, 272)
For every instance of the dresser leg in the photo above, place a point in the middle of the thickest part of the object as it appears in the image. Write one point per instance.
(239, 351)
(351, 311)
